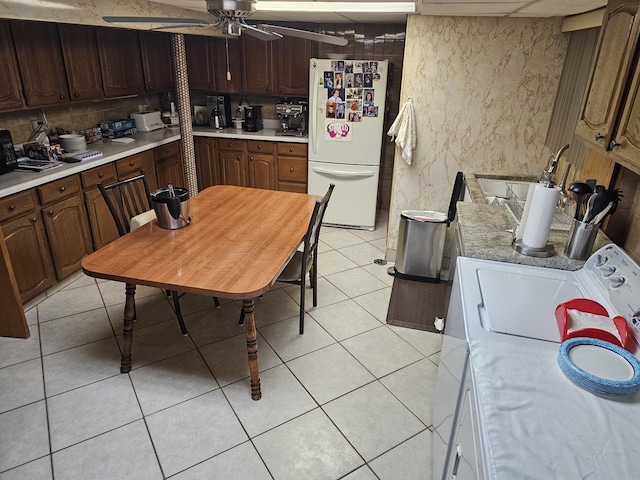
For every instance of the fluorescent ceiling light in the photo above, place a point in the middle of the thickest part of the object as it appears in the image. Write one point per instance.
(341, 7)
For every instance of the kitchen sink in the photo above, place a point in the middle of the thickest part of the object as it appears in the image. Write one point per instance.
(513, 194)
(498, 188)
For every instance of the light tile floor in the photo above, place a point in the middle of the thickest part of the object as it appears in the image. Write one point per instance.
(349, 399)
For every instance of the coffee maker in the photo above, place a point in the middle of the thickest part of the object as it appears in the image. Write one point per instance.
(293, 119)
(219, 107)
(253, 118)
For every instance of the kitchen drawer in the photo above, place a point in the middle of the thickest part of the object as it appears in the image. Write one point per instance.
(134, 163)
(166, 151)
(16, 205)
(297, 149)
(292, 187)
(292, 169)
(104, 173)
(235, 145)
(260, 147)
(54, 191)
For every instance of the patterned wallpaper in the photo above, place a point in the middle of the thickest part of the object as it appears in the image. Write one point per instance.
(483, 90)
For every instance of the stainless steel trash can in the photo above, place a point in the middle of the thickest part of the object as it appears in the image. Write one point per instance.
(420, 249)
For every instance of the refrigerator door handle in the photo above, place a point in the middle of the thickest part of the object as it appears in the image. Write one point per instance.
(313, 115)
(343, 174)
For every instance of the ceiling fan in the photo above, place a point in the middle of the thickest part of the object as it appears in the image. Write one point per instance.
(230, 18)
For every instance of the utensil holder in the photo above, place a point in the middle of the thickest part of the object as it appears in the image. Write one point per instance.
(582, 236)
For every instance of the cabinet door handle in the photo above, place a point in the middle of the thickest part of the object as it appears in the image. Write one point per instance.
(599, 136)
(62, 189)
(291, 170)
(282, 89)
(100, 175)
(238, 157)
(250, 158)
(61, 97)
(12, 208)
(34, 219)
(131, 164)
(290, 149)
(613, 144)
(259, 146)
(50, 213)
(77, 95)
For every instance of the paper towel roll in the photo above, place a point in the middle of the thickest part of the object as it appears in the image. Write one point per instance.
(525, 213)
(543, 207)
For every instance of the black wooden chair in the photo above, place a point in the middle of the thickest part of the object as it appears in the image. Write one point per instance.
(306, 261)
(129, 202)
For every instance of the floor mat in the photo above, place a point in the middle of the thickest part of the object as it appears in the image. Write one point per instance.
(417, 304)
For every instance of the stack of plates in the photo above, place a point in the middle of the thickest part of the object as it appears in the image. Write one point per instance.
(73, 143)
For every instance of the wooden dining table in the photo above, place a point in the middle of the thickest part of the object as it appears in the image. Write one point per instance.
(238, 241)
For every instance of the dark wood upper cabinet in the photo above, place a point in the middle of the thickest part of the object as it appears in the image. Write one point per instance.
(120, 61)
(155, 50)
(258, 67)
(10, 91)
(200, 62)
(41, 64)
(226, 54)
(80, 53)
(293, 55)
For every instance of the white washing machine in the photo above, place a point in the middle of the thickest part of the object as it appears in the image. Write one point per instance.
(503, 408)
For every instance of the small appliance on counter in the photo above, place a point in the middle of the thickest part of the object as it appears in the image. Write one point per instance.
(147, 121)
(293, 119)
(119, 128)
(8, 159)
(221, 103)
(253, 118)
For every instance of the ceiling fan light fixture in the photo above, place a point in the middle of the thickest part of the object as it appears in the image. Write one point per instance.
(230, 8)
(341, 7)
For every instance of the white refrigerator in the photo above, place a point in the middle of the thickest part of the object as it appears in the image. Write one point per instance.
(346, 120)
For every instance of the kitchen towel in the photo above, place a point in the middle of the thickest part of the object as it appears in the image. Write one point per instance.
(404, 130)
(543, 207)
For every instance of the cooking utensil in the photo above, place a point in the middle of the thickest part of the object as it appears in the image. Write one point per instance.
(605, 203)
(580, 189)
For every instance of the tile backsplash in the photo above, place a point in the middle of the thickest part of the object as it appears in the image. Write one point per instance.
(75, 116)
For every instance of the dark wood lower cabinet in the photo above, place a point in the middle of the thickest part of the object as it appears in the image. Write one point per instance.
(207, 168)
(103, 228)
(29, 253)
(262, 171)
(68, 234)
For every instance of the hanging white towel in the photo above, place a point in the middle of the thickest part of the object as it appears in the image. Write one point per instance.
(404, 131)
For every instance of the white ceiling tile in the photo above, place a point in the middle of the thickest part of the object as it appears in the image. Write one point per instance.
(470, 9)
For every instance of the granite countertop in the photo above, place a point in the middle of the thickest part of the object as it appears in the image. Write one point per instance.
(484, 234)
(18, 181)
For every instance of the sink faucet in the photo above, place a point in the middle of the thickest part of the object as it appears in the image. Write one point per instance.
(547, 175)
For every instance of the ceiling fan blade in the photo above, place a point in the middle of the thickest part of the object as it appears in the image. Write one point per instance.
(179, 22)
(317, 37)
(257, 32)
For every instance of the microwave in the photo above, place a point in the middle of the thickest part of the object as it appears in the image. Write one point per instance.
(8, 159)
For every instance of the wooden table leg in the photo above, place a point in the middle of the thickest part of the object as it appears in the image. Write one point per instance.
(252, 348)
(127, 327)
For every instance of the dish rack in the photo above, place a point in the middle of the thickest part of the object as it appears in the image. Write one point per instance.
(516, 195)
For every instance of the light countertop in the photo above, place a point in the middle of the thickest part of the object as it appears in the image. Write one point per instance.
(484, 234)
(18, 181)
